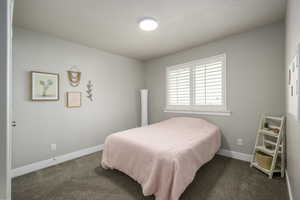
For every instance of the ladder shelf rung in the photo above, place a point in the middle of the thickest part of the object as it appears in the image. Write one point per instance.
(270, 133)
(265, 150)
(267, 171)
(272, 143)
(274, 127)
(274, 118)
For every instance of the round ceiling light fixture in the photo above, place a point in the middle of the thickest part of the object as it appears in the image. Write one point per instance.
(148, 24)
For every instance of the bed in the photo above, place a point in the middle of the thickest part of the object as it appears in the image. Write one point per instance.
(163, 157)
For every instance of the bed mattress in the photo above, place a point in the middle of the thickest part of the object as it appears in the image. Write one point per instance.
(163, 157)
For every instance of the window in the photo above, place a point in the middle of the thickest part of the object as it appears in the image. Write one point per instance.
(197, 86)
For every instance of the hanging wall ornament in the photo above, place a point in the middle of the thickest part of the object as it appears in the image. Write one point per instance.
(89, 91)
(74, 76)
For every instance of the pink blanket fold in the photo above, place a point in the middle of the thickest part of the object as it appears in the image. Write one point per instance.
(163, 157)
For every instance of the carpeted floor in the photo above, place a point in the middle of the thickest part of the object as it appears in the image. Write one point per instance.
(82, 179)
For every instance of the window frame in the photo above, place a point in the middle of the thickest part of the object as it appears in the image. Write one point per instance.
(199, 109)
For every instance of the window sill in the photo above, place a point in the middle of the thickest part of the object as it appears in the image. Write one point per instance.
(218, 113)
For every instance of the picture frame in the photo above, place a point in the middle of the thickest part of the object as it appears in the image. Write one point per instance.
(44, 86)
(73, 99)
(294, 86)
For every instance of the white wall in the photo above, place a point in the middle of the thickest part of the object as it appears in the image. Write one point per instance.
(116, 80)
(255, 64)
(293, 127)
(5, 72)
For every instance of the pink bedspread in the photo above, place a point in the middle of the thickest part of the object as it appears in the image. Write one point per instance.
(163, 157)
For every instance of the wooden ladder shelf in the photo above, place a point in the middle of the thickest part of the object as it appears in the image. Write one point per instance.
(270, 140)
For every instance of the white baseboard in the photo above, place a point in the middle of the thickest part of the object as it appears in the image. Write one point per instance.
(289, 185)
(54, 161)
(235, 155)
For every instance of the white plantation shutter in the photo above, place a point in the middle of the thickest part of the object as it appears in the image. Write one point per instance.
(198, 85)
(179, 86)
(208, 84)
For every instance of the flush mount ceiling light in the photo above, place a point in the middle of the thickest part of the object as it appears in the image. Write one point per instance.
(148, 24)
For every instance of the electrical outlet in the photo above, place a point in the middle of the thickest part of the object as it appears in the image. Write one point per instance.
(53, 147)
(240, 142)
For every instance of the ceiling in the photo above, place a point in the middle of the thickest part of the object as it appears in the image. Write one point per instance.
(111, 25)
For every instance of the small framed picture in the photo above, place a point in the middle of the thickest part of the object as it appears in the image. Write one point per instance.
(73, 99)
(44, 86)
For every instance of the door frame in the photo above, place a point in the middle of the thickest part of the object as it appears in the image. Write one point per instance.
(6, 8)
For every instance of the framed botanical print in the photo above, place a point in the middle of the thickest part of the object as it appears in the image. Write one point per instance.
(44, 86)
(73, 99)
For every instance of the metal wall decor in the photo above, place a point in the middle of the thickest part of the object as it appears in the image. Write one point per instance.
(89, 91)
(74, 76)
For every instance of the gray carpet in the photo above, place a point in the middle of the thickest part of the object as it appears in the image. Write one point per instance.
(83, 179)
